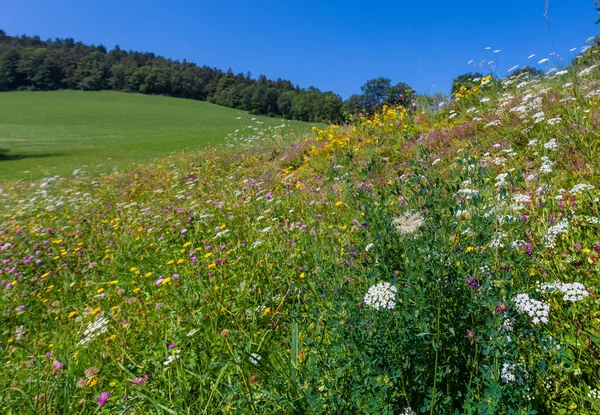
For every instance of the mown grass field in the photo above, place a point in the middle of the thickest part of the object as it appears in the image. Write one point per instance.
(54, 133)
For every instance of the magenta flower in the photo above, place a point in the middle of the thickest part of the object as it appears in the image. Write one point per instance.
(103, 398)
(158, 281)
(57, 365)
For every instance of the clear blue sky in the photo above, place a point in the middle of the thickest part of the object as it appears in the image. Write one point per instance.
(333, 45)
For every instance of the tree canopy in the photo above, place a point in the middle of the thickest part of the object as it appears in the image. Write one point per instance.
(27, 62)
(30, 63)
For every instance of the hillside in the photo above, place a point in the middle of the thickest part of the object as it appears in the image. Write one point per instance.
(416, 261)
(61, 132)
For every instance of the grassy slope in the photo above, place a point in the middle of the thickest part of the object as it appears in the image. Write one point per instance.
(54, 133)
(271, 250)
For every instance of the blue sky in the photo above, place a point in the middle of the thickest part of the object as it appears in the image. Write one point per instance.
(333, 45)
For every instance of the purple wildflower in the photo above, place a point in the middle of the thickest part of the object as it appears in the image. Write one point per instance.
(502, 307)
(472, 282)
(103, 398)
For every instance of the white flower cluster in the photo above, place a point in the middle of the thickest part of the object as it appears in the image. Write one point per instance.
(573, 291)
(551, 145)
(594, 394)
(382, 295)
(409, 222)
(546, 166)
(580, 188)
(172, 358)
(219, 234)
(501, 180)
(408, 411)
(497, 240)
(508, 372)
(537, 310)
(587, 71)
(93, 330)
(468, 193)
(255, 358)
(554, 231)
(519, 200)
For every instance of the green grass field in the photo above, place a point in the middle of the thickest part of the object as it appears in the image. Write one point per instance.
(55, 133)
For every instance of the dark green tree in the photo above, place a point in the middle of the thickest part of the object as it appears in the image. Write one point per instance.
(375, 92)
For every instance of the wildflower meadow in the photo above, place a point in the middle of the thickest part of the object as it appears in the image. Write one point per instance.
(434, 259)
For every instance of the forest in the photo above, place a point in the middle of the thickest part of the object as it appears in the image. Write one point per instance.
(30, 63)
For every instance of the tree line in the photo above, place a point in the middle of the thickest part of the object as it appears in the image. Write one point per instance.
(30, 63)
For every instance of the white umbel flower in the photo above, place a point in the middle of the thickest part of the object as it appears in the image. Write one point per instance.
(382, 295)
(537, 310)
(408, 223)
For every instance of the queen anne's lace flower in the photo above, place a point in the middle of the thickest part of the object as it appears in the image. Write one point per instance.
(409, 222)
(554, 231)
(537, 310)
(573, 291)
(580, 187)
(382, 295)
(546, 166)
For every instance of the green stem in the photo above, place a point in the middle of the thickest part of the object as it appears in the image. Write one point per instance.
(437, 351)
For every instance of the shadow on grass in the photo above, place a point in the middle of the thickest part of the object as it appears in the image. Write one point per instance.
(4, 156)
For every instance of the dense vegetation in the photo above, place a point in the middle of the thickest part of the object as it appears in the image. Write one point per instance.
(65, 132)
(416, 261)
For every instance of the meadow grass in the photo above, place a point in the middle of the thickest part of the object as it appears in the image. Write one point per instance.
(55, 133)
(416, 261)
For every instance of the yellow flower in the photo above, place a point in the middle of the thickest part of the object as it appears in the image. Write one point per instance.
(71, 314)
(113, 282)
(267, 310)
(137, 290)
(148, 274)
(95, 311)
(338, 203)
(469, 249)
(301, 275)
(100, 290)
(166, 281)
(185, 245)
(180, 261)
(207, 254)
(171, 262)
(133, 269)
